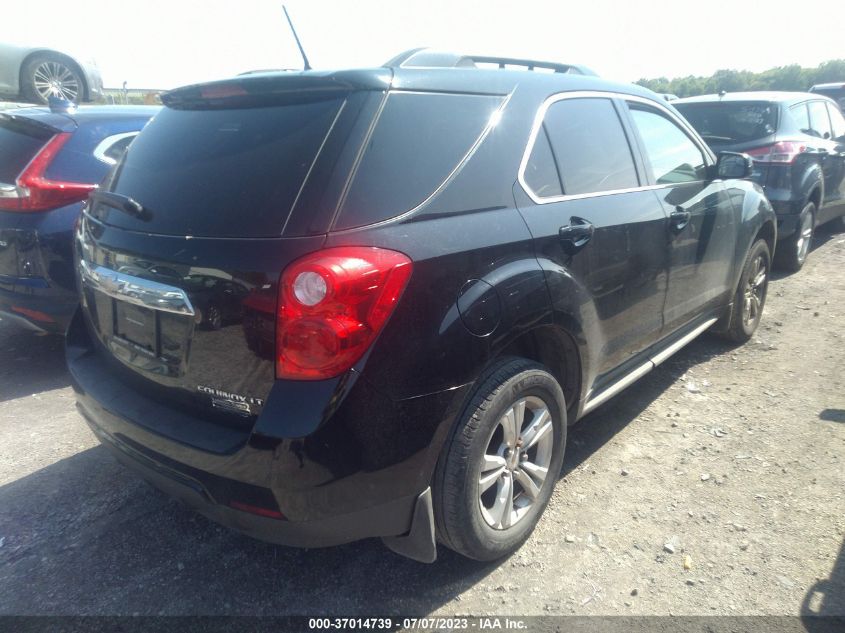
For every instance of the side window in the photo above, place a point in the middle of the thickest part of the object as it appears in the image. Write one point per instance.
(590, 146)
(801, 117)
(819, 121)
(541, 173)
(673, 156)
(111, 148)
(837, 121)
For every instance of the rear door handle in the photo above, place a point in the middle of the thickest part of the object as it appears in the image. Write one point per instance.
(678, 219)
(575, 236)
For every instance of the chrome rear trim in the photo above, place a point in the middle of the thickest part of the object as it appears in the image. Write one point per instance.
(135, 290)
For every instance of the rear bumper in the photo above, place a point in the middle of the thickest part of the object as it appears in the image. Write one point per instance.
(34, 304)
(357, 475)
(37, 285)
(387, 519)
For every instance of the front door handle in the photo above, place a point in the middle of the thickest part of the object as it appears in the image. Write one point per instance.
(575, 236)
(678, 219)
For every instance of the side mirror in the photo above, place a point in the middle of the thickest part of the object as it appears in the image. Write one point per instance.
(734, 165)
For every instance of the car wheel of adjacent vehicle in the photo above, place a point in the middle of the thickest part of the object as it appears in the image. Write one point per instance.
(44, 76)
(498, 471)
(750, 297)
(791, 254)
(213, 318)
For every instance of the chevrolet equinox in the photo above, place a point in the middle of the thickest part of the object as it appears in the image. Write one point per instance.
(431, 269)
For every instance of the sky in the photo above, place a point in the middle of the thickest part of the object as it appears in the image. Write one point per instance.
(164, 44)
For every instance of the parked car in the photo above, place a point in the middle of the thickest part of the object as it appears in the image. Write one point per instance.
(797, 141)
(49, 162)
(835, 91)
(456, 264)
(36, 73)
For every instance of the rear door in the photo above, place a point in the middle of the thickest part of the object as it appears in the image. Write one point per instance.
(591, 216)
(837, 122)
(829, 153)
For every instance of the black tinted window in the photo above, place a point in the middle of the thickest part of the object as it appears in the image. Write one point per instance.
(590, 146)
(418, 141)
(819, 121)
(19, 143)
(674, 158)
(232, 172)
(727, 122)
(541, 173)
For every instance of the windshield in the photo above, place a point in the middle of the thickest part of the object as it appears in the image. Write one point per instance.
(726, 123)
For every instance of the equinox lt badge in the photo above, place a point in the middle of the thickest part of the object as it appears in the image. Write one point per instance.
(231, 401)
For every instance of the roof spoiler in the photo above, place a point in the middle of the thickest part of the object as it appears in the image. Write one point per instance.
(430, 58)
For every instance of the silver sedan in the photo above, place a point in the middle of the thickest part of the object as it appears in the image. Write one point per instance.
(34, 74)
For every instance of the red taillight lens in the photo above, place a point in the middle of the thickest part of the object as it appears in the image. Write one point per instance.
(35, 192)
(780, 152)
(332, 305)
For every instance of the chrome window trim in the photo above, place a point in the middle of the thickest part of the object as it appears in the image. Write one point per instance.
(135, 290)
(612, 96)
(104, 145)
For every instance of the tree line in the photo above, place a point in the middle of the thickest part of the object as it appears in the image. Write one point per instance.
(792, 77)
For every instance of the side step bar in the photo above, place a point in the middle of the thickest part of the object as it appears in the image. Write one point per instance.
(642, 370)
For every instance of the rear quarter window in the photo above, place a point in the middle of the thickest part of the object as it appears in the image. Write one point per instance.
(418, 141)
(20, 141)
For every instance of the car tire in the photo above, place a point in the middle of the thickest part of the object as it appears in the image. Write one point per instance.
(40, 69)
(488, 446)
(791, 254)
(750, 296)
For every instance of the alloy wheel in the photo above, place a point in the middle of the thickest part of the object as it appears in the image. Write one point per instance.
(516, 462)
(805, 237)
(54, 79)
(755, 291)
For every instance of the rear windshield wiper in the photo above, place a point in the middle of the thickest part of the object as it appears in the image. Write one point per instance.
(128, 205)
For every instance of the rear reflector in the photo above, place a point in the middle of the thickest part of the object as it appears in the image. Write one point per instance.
(33, 191)
(264, 512)
(332, 305)
(780, 152)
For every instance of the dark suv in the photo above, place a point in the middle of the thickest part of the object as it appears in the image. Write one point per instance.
(797, 141)
(444, 267)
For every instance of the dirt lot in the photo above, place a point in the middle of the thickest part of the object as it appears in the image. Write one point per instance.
(732, 460)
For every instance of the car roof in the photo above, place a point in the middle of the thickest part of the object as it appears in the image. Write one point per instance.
(833, 84)
(434, 79)
(759, 95)
(67, 121)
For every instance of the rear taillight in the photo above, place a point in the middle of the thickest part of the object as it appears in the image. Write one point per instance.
(780, 152)
(332, 305)
(33, 191)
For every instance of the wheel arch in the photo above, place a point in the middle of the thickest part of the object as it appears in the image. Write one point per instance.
(65, 58)
(556, 349)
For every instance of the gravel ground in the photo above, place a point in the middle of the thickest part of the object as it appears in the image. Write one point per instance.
(715, 485)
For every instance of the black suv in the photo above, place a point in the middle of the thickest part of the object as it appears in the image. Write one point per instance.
(797, 141)
(443, 267)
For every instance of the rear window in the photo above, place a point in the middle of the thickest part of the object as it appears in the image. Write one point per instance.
(731, 122)
(20, 141)
(232, 172)
(419, 140)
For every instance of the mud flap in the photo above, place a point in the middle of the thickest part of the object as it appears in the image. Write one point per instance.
(419, 543)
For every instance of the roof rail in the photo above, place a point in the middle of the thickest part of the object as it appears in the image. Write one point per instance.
(430, 58)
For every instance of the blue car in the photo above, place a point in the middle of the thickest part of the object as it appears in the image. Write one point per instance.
(50, 160)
